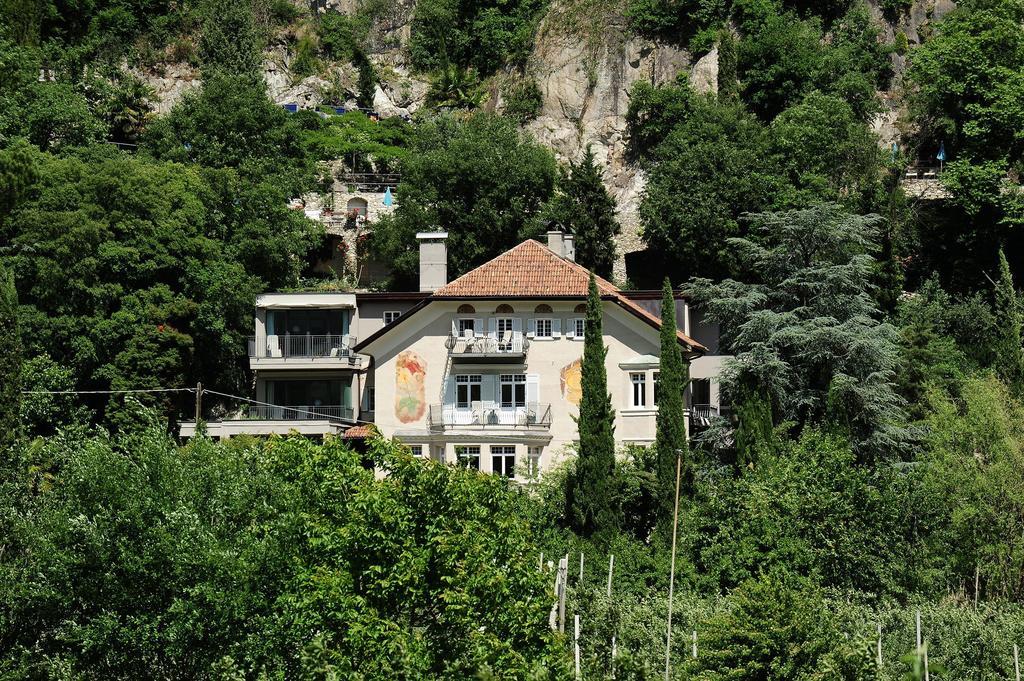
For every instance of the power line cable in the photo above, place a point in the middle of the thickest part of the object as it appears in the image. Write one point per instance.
(107, 392)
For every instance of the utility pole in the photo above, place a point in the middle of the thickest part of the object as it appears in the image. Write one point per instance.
(672, 569)
(199, 402)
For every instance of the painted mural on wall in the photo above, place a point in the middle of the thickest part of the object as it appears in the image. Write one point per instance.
(410, 377)
(572, 382)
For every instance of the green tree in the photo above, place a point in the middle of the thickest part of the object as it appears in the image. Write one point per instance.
(825, 152)
(280, 557)
(10, 360)
(44, 410)
(146, 279)
(583, 207)
(590, 493)
(805, 507)
(713, 167)
(968, 90)
(1009, 362)
(970, 490)
(55, 117)
(670, 436)
(804, 329)
(17, 175)
(728, 78)
(229, 122)
(754, 431)
(484, 35)
(481, 178)
(231, 44)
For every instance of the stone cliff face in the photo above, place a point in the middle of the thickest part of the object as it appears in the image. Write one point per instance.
(584, 84)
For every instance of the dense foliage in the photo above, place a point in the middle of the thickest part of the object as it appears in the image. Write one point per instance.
(870, 466)
(670, 444)
(590, 503)
(479, 178)
(275, 559)
(805, 331)
(139, 274)
(583, 207)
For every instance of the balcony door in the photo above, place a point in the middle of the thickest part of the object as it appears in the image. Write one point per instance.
(318, 397)
(516, 394)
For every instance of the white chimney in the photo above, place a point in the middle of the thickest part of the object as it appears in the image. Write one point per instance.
(433, 260)
(556, 243)
(569, 247)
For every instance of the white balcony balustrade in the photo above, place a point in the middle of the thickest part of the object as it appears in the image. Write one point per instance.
(489, 415)
(311, 347)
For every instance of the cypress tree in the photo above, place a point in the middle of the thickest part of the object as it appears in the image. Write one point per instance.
(584, 207)
(10, 359)
(670, 439)
(728, 60)
(1009, 355)
(754, 430)
(591, 497)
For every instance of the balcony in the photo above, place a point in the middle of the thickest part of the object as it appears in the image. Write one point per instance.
(265, 419)
(702, 414)
(292, 351)
(320, 412)
(510, 346)
(533, 416)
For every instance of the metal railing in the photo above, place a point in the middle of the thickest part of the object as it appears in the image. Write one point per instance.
(371, 182)
(487, 415)
(703, 413)
(265, 412)
(922, 172)
(508, 343)
(307, 346)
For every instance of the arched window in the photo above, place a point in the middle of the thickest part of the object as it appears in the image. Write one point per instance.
(580, 309)
(504, 308)
(357, 206)
(466, 309)
(543, 308)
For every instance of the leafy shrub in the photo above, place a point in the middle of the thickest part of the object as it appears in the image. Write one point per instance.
(482, 35)
(304, 62)
(522, 99)
(280, 557)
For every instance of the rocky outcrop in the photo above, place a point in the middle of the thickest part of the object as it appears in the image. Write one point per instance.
(584, 80)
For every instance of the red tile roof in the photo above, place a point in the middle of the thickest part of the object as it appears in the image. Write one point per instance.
(533, 270)
(358, 432)
(529, 269)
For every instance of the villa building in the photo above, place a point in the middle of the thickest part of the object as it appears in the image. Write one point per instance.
(483, 371)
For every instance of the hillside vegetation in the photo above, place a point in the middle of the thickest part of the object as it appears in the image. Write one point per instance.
(872, 465)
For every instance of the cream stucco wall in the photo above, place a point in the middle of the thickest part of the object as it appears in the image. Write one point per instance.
(425, 334)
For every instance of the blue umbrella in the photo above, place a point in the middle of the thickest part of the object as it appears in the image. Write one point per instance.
(942, 151)
(388, 199)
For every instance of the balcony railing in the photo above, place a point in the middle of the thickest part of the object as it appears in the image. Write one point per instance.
(266, 412)
(701, 414)
(483, 415)
(302, 346)
(509, 343)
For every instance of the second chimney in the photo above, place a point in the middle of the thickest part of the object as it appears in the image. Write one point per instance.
(556, 242)
(433, 260)
(569, 247)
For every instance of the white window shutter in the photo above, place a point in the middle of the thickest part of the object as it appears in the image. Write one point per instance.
(570, 330)
(488, 383)
(478, 327)
(532, 388)
(492, 327)
(531, 327)
(556, 327)
(517, 325)
(449, 391)
(455, 326)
